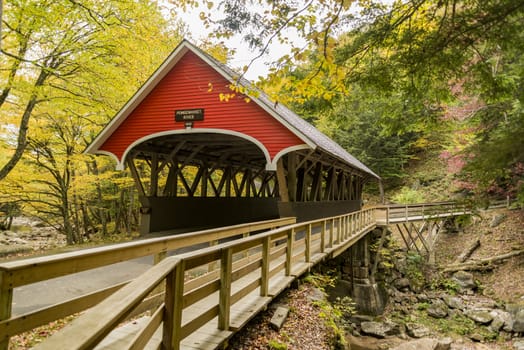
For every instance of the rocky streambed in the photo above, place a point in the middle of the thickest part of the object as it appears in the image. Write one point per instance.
(458, 318)
(28, 236)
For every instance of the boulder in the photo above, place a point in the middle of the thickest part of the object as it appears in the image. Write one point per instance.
(497, 220)
(415, 330)
(279, 317)
(402, 283)
(16, 240)
(380, 329)
(517, 317)
(464, 280)
(518, 344)
(444, 344)
(518, 321)
(425, 344)
(422, 297)
(501, 320)
(363, 343)
(479, 316)
(438, 309)
(358, 319)
(317, 295)
(484, 303)
(10, 234)
(454, 302)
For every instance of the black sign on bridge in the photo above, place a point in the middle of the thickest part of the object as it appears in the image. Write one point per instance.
(189, 115)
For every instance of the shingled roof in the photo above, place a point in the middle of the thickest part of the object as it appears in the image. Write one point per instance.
(305, 131)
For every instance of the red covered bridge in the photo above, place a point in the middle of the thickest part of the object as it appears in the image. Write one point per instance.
(208, 149)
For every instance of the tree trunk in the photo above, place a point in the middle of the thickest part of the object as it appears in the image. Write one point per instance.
(93, 165)
(482, 264)
(467, 253)
(21, 143)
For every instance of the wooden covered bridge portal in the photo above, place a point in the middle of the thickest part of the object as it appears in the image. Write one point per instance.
(207, 149)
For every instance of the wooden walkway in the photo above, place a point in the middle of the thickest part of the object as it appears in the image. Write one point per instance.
(210, 307)
(197, 300)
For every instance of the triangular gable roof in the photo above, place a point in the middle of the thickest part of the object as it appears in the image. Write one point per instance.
(298, 126)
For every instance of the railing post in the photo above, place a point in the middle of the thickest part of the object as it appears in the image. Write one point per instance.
(264, 275)
(346, 227)
(212, 265)
(157, 258)
(307, 253)
(174, 305)
(245, 254)
(226, 267)
(322, 237)
(6, 302)
(289, 250)
(339, 230)
(331, 233)
(341, 227)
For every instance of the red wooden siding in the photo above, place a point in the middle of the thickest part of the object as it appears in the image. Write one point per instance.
(187, 86)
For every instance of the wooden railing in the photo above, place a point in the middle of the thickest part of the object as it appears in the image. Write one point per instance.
(23, 272)
(394, 213)
(255, 268)
(289, 251)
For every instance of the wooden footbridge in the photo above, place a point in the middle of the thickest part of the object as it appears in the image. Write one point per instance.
(198, 299)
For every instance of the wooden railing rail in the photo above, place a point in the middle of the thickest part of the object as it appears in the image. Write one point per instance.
(396, 212)
(273, 260)
(22, 272)
(501, 203)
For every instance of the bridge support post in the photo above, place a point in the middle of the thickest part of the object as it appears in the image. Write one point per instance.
(6, 301)
(366, 292)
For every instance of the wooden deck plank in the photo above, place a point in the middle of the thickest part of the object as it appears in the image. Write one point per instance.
(206, 340)
(279, 283)
(207, 337)
(243, 311)
(121, 337)
(299, 268)
(317, 257)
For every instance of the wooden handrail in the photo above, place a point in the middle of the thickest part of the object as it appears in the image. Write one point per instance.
(102, 318)
(22, 272)
(26, 271)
